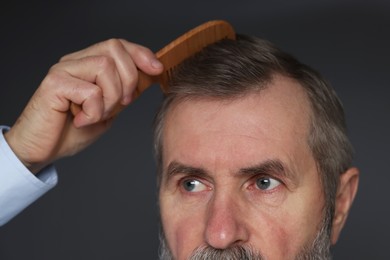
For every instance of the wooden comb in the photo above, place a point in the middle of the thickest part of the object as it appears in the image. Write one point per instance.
(176, 52)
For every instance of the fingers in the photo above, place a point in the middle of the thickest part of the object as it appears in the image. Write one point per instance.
(61, 89)
(128, 58)
(102, 76)
(102, 82)
(143, 58)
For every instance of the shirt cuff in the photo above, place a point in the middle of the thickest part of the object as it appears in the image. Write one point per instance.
(18, 186)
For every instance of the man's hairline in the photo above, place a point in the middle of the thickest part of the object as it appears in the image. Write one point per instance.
(265, 84)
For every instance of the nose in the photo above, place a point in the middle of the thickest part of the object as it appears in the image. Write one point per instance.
(225, 226)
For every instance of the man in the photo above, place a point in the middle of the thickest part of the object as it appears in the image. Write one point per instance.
(251, 146)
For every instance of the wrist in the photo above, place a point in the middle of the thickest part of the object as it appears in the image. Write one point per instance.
(20, 153)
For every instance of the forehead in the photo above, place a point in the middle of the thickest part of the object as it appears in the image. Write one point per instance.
(272, 123)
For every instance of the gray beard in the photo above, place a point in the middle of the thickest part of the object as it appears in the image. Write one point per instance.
(318, 249)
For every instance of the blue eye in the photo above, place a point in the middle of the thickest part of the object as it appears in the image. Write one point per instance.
(193, 185)
(266, 183)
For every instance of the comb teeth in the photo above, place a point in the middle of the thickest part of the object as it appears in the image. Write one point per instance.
(189, 44)
(168, 78)
(170, 72)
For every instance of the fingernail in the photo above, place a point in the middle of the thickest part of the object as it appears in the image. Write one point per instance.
(156, 64)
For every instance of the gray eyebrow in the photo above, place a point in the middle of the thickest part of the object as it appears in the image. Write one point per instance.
(273, 167)
(176, 167)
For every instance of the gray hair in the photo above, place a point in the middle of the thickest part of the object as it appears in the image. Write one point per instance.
(230, 69)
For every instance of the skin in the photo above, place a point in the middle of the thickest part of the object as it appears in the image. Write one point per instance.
(219, 146)
(99, 79)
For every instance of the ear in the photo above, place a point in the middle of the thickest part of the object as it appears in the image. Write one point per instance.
(345, 195)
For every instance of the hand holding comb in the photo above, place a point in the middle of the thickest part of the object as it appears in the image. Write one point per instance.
(176, 52)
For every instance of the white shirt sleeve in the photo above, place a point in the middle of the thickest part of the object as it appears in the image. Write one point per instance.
(18, 186)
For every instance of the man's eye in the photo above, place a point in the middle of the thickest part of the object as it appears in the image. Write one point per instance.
(193, 186)
(267, 183)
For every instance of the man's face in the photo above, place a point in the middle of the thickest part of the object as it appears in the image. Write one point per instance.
(240, 173)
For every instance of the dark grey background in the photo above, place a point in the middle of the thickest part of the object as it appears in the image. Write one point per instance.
(105, 204)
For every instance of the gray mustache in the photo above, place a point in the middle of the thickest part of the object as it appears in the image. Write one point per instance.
(233, 253)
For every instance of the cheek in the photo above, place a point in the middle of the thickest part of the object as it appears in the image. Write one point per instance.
(275, 234)
(281, 232)
(306, 222)
(183, 228)
(187, 237)
(288, 235)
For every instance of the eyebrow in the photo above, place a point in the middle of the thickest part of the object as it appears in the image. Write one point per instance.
(272, 167)
(176, 168)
